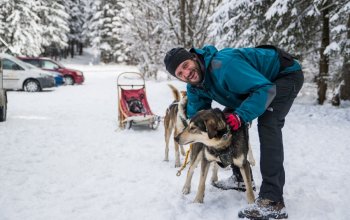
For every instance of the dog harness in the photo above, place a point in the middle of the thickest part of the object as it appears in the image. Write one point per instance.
(226, 155)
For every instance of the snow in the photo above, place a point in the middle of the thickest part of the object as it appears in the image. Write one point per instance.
(334, 46)
(63, 157)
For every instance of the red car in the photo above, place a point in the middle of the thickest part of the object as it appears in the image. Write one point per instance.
(71, 76)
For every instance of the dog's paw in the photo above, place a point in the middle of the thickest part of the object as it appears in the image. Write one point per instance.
(213, 180)
(198, 200)
(177, 165)
(252, 162)
(186, 190)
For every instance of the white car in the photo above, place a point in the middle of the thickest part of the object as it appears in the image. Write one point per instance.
(18, 75)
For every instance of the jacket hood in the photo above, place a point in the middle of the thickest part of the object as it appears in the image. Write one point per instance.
(207, 52)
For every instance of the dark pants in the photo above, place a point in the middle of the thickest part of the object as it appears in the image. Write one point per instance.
(270, 125)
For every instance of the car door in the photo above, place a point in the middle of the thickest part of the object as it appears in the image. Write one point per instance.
(13, 74)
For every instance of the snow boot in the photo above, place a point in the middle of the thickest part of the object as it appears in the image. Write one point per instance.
(233, 182)
(264, 209)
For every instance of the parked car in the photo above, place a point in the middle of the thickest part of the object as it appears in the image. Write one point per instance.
(59, 79)
(18, 75)
(71, 76)
(3, 97)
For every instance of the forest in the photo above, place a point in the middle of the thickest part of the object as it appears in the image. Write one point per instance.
(138, 32)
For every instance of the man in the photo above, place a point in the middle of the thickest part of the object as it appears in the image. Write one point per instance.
(251, 83)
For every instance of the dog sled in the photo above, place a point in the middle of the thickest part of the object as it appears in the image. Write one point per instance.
(133, 107)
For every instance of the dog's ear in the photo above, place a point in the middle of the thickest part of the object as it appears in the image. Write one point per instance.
(211, 126)
(221, 122)
(218, 113)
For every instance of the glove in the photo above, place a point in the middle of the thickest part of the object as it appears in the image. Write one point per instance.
(233, 121)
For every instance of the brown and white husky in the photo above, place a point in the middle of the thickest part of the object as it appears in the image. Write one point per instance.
(214, 141)
(175, 122)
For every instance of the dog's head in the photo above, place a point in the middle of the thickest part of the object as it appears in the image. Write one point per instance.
(207, 127)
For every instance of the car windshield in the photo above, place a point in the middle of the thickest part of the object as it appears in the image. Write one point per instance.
(60, 64)
(50, 64)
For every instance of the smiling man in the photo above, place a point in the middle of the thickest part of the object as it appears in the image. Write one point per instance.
(251, 83)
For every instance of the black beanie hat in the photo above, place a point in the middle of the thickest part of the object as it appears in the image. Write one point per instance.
(175, 57)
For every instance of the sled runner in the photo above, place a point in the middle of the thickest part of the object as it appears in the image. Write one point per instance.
(133, 107)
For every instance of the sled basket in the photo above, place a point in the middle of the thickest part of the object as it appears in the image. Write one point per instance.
(133, 107)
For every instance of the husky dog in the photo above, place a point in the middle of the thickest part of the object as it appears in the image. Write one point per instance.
(175, 121)
(219, 144)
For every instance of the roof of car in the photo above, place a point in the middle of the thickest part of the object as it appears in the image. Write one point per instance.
(5, 55)
(34, 58)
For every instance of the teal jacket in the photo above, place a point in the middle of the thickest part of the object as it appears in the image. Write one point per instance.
(238, 78)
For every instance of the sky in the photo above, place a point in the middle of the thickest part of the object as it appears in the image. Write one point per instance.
(63, 157)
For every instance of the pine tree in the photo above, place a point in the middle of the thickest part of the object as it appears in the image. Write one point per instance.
(240, 23)
(153, 27)
(188, 20)
(22, 29)
(111, 46)
(54, 23)
(75, 9)
(104, 29)
(93, 26)
(144, 34)
(340, 21)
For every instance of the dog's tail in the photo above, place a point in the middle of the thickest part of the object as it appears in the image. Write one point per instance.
(176, 93)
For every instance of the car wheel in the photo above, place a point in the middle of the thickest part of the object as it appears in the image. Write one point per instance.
(69, 80)
(3, 113)
(31, 86)
(3, 109)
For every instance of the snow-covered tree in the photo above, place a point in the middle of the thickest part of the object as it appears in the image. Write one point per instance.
(111, 46)
(189, 20)
(54, 24)
(21, 26)
(153, 27)
(75, 9)
(240, 23)
(144, 34)
(93, 26)
(104, 29)
(340, 46)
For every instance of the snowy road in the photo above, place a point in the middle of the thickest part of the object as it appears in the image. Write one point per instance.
(62, 157)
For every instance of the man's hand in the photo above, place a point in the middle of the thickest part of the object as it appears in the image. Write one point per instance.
(233, 121)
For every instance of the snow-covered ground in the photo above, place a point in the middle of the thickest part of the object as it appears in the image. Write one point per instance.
(62, 157)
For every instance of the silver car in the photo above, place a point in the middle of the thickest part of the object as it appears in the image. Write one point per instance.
(18, 75)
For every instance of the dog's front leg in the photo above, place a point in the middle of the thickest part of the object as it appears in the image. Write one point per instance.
(201, 187)
(250, 155)
(214, 176)
(245, 171)
(194, 162)
(168, 128)
(182, 149)
(177, 152)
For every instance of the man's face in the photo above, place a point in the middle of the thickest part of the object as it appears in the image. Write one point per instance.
(189, 71)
